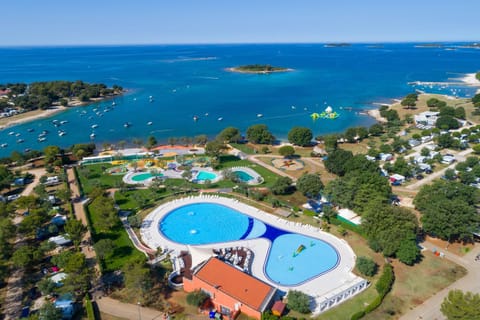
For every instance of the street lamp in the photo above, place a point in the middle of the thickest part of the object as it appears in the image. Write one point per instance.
(139, 311)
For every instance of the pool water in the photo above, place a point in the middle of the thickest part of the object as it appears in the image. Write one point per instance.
(144, 176)
(243, 176)
(205, 175)
(292, 258)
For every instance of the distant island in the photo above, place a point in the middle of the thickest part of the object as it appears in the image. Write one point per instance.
(429, 45)
(258, 68)
(337, 45)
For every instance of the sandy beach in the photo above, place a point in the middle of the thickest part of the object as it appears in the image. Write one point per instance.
(375, 113)
(30, 116)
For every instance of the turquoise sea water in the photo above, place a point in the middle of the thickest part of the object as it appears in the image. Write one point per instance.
(190, 80)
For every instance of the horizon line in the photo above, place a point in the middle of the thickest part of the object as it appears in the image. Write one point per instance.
(234, 43)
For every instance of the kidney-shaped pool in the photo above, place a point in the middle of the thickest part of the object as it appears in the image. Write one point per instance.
(292, 259)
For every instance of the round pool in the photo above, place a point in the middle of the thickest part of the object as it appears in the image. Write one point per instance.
(243, 176)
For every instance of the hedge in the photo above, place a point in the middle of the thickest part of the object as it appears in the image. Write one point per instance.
(383, 286)
(89, 308)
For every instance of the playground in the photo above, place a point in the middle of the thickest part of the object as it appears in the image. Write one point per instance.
(288, 164)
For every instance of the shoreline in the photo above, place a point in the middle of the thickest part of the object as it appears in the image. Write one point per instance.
(236, 70)
(51, 111)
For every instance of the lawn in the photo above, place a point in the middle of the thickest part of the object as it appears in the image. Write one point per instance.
(94, 175)
(124, 249)
(134, 199)
(230, 161)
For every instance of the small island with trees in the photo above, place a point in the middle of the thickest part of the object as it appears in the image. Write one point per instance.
(258, 68)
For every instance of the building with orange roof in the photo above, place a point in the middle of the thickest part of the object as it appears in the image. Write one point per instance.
(231, 291)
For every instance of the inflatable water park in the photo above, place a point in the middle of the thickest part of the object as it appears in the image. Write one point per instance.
(327, 114)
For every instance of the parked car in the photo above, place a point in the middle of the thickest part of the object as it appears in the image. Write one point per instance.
(396, 183)
(419, 177)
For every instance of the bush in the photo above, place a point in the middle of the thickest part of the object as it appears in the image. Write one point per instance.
(196, 298)
(298, 301)
(358, 315)
(385, 282)
(286, 151)
(366, 266)
(89, 308)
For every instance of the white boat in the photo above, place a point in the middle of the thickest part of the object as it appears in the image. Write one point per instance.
(61, 133)
(92, 135)
(11, 133)
(113, 104)
(30, 129)
(20, 140)
(4, 145)
(206, 114)
(94, 126)
(63, 122)
(126, 124)
(259, 115)
(195, 118)
(150, 98)
(149, 123)
(18, 135)
(220, 119)
(44, 132)
(41, 139)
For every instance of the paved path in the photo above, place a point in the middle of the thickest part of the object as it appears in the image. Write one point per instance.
(430, 309)
(253, 158)
(37, 173)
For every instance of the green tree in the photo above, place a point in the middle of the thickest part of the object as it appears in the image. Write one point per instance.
(49, 312)
(376, 129)
(331, 142)
(447, 123)
(366, 266)
(335, 163)
(75, 230)
(286, 151)
(283, 185)
(310, 185)
(460, 113)
(459, 305)
(435, 103)
(300, 136)
(259, 133)
(6, 177)
(51, 153)
(105, 209)
(104, 248)
(137, 278)
(448, 210)
(229, 135)
(410, 101)
(408, 252)
(196, 298)
(298, 301)
(151, 142)
(215, 148)
(47, 286)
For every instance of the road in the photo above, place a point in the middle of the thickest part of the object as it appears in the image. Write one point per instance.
(430, 309)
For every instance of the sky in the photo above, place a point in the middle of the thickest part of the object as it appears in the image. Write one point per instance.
(83, 22)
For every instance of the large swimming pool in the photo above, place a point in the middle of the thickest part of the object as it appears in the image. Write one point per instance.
(203, 176)
(292, 258)
(145, 176)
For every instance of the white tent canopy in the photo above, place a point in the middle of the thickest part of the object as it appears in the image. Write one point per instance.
(199, 255)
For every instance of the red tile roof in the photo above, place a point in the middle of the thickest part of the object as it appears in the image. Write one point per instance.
(237, 284)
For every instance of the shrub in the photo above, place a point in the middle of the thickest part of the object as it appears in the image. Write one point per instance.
(298, 301)
(385, 282)
(196, 298)
(366, 266)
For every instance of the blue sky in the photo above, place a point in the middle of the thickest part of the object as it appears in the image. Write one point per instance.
(57, 22)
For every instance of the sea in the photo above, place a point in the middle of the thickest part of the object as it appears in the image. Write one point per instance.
(193, 93)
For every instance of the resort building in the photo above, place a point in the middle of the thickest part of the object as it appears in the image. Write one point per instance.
(426, 120)
(231, 291)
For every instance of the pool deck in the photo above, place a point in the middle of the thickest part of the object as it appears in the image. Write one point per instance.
(326, 290)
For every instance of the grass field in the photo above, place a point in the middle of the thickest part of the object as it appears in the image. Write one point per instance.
(124, 249)
(94, 175)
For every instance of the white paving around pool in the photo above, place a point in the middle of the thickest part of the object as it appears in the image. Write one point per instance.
(327, 290)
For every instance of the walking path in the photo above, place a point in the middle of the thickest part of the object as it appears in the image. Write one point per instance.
(253, 158)
(430, 309)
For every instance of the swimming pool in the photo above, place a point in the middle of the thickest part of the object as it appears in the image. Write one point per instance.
(243, 176)
(292, 258)
(145, 176)
(206, 175)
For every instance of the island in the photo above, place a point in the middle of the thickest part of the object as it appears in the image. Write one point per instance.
(258, 68)
(337, 45)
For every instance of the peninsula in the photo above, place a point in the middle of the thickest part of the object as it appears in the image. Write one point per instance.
(258, 68)
(21, 102)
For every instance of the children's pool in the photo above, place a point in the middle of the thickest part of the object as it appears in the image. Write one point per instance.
(291, 259)
(243, 176)
(145, 176)
(205, 175)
